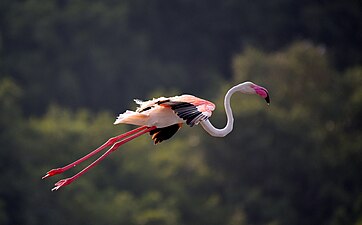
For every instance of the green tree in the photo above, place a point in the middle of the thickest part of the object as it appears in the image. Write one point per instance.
(94, 53)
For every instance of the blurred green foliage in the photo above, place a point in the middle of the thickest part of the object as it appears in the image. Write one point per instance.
(94, 53)
(68, 67)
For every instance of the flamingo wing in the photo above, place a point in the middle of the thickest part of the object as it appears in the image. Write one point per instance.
(156, 112)
(189, 108)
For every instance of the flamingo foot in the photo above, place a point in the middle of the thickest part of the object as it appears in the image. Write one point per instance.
(62, 183)
(53, 172)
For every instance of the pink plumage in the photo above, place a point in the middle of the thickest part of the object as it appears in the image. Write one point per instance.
(163, 112)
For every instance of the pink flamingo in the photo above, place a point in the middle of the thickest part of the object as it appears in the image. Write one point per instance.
(162, 118)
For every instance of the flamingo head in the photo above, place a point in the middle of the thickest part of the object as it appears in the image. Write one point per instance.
(251, 88)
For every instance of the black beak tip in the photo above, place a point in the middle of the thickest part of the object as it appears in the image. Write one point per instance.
(267, 99)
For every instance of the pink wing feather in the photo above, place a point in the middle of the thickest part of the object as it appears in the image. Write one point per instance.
(190, 108)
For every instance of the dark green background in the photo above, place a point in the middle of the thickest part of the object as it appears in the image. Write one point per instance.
(67, 68)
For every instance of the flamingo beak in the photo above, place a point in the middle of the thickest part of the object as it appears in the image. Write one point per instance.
(267, 98)
(263, 92)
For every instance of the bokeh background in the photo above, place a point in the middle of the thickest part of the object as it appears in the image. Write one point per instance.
(68, 67)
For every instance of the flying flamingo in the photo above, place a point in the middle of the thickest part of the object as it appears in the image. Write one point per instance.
(162, 118)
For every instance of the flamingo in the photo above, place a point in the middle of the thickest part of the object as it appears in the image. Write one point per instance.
(162, 118)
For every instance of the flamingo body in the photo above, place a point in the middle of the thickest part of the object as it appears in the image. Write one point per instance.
(163, 112)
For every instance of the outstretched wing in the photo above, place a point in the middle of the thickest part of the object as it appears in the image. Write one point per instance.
(188, 112)
(191, 109)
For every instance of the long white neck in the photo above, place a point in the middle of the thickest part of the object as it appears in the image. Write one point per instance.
(229, 115)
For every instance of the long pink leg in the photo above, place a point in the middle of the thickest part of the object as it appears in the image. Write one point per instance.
(110, 142)
(68, 181)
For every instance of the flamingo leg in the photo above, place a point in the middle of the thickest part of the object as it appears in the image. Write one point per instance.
(110, 142)
(115, 146)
